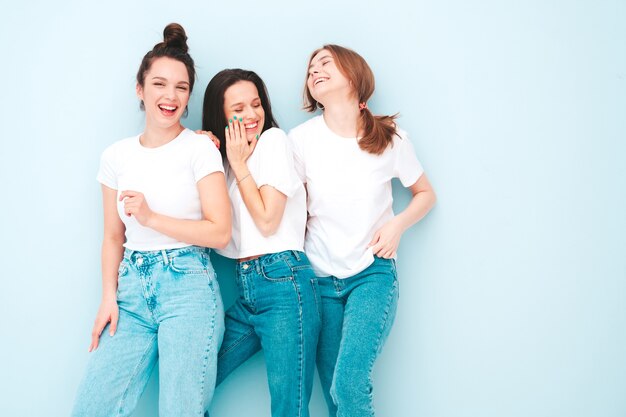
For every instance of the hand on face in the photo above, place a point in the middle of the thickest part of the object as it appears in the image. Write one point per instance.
(135, 204)
(246, 117)
(238, 149)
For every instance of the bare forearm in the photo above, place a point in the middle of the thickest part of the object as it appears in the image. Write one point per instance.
(265, 220)
(195, 232)
(112, 252)
(419, 206)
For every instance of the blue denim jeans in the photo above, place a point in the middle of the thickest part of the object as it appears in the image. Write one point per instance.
(277, 311)
(357, 315)
(170, 309)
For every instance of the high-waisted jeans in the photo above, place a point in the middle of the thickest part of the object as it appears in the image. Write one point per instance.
(357, 315)
(171, 309)
(277, 311)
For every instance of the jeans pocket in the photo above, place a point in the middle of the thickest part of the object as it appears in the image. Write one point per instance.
(277, 270)
(122, 269)
(189, 263)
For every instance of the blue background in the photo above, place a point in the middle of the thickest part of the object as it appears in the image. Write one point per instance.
(513, 289)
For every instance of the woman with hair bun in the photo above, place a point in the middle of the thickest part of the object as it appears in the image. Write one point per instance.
(165, 203)
(347, 158)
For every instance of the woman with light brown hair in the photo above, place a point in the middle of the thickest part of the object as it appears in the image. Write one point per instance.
(347, 158)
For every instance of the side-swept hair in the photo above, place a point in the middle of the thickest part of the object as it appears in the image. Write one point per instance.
(378, 131)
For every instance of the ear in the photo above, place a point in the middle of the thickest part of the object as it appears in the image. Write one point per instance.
(139, 91)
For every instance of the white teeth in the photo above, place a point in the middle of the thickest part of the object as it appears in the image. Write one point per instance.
(251, 125)
(319, 80)
(170, 108)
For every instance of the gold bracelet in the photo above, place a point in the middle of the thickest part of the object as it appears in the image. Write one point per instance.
(239, 181)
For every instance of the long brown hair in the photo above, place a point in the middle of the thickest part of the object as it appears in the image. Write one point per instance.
(377, 131)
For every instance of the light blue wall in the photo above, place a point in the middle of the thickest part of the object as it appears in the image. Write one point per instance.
(513, 289)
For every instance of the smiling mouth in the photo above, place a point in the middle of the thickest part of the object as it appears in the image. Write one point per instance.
(251, 126)
(320, 80)
(167, 110)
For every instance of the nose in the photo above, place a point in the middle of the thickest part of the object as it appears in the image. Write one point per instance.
(170, 92)
(248, 113)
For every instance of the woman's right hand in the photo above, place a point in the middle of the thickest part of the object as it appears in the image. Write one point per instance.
(108, 312)
(238, 149)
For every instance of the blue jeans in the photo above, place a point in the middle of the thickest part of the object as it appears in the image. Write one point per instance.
(357, 315)
(170, 308)
(277, 311)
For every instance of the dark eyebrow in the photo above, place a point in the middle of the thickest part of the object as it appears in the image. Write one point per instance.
(241, 103)
(325, 56)
(165, 79)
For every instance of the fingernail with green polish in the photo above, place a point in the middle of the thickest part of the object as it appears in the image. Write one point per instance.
(257, 136)
(230, 120)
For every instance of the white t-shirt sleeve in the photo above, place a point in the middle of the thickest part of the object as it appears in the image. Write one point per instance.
(107, 173)
(298, 159)
(206, 159)
(276, 163)
(407, 167)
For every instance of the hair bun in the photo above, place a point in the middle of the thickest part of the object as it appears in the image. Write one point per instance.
(174, 36)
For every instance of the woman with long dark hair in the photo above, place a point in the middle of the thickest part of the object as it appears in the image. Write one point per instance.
(277, 305)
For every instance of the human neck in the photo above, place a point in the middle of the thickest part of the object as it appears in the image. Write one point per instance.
(153, 137)
(342, 118)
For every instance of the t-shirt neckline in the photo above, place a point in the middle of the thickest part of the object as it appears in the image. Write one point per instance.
(167, 145)
(351, 139)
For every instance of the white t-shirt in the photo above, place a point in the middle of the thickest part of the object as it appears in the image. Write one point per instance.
(167, 177)
(272, 164)
(349, 194)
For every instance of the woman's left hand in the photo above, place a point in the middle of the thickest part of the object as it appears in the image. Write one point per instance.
(238, 149)
(386, 240)
(135, 204)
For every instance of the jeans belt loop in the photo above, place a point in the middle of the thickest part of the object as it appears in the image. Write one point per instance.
(296, 255)
(164, 255)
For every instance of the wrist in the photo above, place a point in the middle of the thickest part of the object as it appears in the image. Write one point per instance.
(150, 220)
(109, 295)
(240, 169)
(400, 223)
